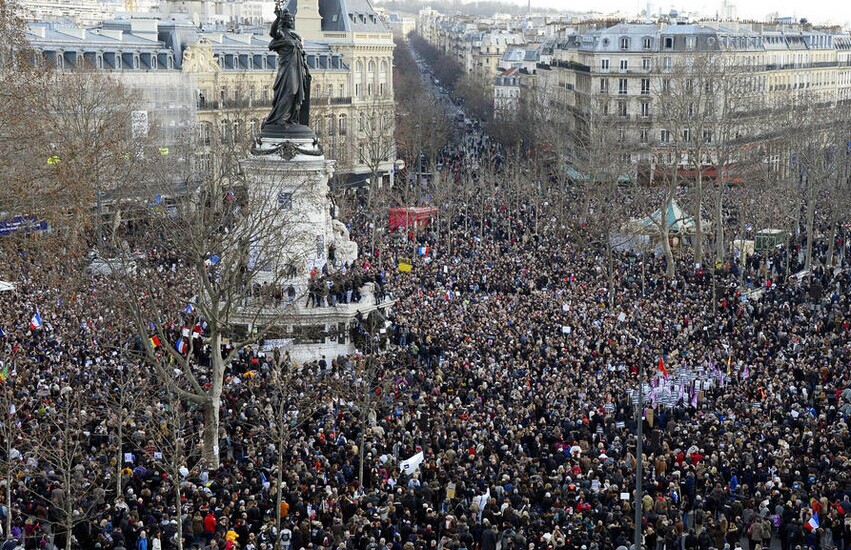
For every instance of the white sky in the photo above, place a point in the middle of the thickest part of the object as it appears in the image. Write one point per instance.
(817, 11)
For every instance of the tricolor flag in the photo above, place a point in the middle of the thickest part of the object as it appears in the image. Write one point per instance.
(35, 322)
(189, 309)
(182, 346)
(812, 525)
(155, 341)
(423, 250)
(662, 368)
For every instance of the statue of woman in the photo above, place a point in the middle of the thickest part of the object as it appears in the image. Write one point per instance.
(291, 101)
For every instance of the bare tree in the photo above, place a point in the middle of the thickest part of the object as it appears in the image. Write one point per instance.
(604, 163)
(234, 250)
(59, 450)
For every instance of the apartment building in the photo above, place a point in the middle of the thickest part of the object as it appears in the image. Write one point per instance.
(627, 74)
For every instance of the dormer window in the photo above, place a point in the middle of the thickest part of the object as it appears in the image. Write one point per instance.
(647, 43)
(624, 43)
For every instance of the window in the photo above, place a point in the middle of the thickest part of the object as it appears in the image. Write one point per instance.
(647, 43)
(622, 109)
(689, 84)
(645, 86)
(605, 108)
(664, 136)
(604, 64)
(343, 125)
(624, 64)
(285, 201)
(645, 109)
(667, 63)
(707, 135)
(691, 42)
(666, 86)
(645, 63)
(604, 85)
(669, 42)
(621, 135)
(624, 43)
(622, 86)
(690, 110)
(687, 135)
(644, 135)
(331, 126)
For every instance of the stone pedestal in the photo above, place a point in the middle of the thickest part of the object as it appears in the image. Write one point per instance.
(287, 184)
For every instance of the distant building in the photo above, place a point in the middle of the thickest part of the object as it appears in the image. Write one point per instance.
(219, 83)
(619, 73)
(506, 92)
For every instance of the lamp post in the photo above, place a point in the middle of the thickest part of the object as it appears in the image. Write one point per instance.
(639, 450)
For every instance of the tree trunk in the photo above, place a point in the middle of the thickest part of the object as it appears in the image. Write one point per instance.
(698, 226)
(830, 245)
(211, 451)
(179, 509)
(610, 268)
(211, 431)
(811, 213)
(364, 415)
(120, 458)
(69, 513)
(719, 222)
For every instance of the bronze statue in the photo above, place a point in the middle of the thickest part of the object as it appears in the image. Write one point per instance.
(291, 101)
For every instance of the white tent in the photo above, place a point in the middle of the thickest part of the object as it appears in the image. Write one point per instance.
(676, 219)
(6, 287)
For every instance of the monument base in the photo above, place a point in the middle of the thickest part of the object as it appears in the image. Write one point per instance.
(287, 175)
(307, 333)
(287, 131)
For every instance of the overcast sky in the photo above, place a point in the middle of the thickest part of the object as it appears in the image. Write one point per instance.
(817, 11)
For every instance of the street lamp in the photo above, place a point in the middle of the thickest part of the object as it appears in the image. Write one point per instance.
(639, 449)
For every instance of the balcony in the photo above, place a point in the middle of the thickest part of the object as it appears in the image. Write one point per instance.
(233, 104)
(325, 100)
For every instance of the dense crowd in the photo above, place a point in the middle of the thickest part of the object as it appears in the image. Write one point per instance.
(507, 364)
(510, 368)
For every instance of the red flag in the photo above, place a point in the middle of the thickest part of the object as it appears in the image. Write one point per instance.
(662, 368)
(155, 341)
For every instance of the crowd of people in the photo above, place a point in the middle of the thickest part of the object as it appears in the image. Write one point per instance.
(502, 413)
(511, 370)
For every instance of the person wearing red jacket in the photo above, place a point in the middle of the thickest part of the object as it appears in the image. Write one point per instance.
(210, 524)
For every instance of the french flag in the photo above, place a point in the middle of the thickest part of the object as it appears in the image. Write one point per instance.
(812, 525)
(182, 346)
(35, 322)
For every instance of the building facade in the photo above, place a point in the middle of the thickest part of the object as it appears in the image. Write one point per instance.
(219, 84)
(629, 74)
